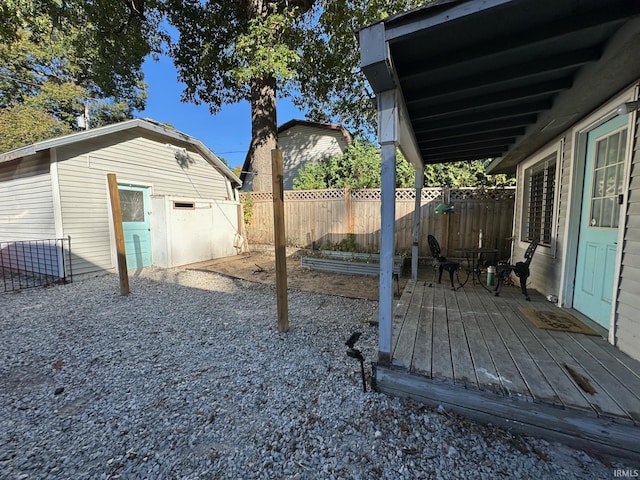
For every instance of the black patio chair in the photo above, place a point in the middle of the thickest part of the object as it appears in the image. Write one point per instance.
(441, 263)
(521, 269)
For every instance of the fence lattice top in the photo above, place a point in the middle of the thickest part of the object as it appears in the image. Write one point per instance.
(402, 194)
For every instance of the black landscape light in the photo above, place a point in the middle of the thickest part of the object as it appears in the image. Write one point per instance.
(355, 353)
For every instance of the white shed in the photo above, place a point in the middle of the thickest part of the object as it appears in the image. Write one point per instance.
(179, 200)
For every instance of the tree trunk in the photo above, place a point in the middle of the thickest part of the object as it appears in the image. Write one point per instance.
(264, 131)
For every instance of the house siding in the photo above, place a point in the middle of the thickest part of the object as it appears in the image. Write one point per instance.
(26, 200)
(627, 332)
(82, 170)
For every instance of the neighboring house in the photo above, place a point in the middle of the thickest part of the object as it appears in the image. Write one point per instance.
(549, 90)
(302, 143)
(179, 201)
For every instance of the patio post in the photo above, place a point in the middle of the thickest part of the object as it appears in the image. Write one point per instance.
(388, 137)
(416, 223)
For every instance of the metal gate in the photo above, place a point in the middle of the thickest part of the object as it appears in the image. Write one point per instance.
(35, 263)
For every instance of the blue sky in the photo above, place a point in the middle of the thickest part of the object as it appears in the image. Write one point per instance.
(227, 133)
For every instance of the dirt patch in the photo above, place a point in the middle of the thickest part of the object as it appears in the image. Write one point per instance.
(260, 267)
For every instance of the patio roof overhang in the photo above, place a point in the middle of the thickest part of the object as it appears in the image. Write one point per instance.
(499, 79)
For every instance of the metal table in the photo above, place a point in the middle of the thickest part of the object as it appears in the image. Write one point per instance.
(473, 256)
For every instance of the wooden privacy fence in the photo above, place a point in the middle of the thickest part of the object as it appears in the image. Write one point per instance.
(350, 219)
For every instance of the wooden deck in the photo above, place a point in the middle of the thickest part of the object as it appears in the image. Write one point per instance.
(477, 354)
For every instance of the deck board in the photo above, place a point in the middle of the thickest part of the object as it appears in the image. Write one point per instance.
(463, 369)
(479, 355)
(441, 364)
(610, 396)
(424, 336)
(400, 314)
(486, 373)
(407, 336)
(551, 363)
(537, 383)
(622, 374)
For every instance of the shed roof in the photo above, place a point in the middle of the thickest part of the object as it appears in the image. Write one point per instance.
(140, 124)
(325, 126)
(500, 78)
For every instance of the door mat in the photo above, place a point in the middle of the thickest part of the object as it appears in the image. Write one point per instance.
(557, 320)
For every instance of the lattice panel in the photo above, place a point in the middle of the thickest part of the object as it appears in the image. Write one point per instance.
(256, 196)
(482, 194)
(332, 194)
(373, 194)
(405, 194)
(366, 194)
(402, 194)
(430, 194)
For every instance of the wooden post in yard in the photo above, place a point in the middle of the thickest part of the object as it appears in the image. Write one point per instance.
(116, 213)
(280, 239)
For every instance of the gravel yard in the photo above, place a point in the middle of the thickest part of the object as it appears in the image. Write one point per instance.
(188, 378)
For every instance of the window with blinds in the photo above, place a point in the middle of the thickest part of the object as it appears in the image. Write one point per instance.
(540, 186)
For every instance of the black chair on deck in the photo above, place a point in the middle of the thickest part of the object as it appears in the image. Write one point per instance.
(441, 263)
(521, 269)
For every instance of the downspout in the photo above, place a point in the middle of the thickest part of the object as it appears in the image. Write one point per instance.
(57, 207)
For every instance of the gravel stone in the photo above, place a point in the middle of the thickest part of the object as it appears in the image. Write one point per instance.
(188, 378)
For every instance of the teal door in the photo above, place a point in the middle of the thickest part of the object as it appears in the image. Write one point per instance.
(597, 244)
(134, 202)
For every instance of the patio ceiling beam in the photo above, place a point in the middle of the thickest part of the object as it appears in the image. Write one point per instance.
(565, 64)
(481, 116)
(465, 150)
(462, 108)
(473, 138)
(457, 157)
(505, 96)
(481, 127)
(471, 147)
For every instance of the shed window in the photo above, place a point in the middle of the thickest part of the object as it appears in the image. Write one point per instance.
(184, 205)
(540, 186)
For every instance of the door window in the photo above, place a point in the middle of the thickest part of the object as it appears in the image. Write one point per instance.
(132, 205)
(608, 180)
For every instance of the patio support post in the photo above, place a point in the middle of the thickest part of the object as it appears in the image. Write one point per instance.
(416, 223)
(388, 137)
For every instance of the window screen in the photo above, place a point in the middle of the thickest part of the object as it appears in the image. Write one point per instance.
(132, 205)
(540, 185)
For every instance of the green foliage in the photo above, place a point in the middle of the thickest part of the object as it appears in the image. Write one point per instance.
(248, 208)
(331, 85)
(262, 51)
(464, 174)
(347, 244)
(24, 125)
(65, 58)
(357, 167)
